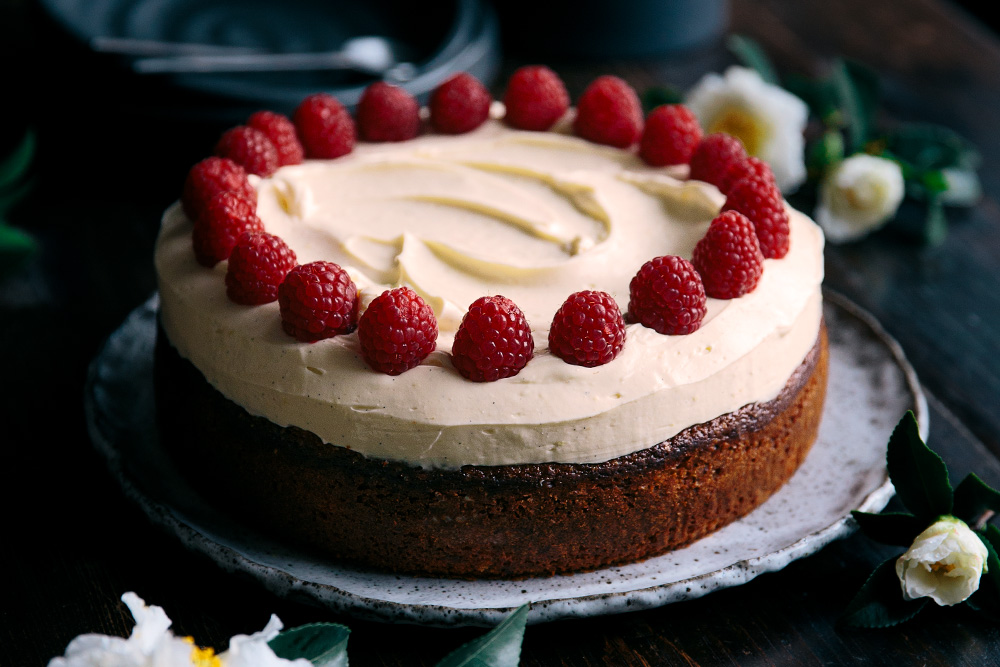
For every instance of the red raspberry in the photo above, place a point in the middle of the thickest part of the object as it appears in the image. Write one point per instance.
(760, 201)
(671, 134)
(249, 147)
(387, 113)
(324, 126)
(318, 300)
(609, 113)
(397, 331)
(667, 296)
(535, 99)
(713, 157)
(222, 222)
(280, 130)
(257, 265)
(587, 330)
(210, 177)
(493, 341)
(728, 257)
(741, 169)
(459, 105)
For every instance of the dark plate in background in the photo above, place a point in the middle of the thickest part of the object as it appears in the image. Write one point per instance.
(440, 37)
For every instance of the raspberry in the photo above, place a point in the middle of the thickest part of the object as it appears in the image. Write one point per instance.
(667, 296)
(257, 265)
(760, 201)
(280, 130)
(671, 134)
(387, 113)
(741, 169)
(459, 105)
(609, 113)
(587, 330)
(318, 300)
(250, 148)
(397, 331)
(714, 155)
(493, 341)
(223, 220)
(324, 126)
(728, 257)
(210, 177)
(535, 98)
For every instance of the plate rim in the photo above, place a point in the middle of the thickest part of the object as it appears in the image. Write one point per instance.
(544, 610)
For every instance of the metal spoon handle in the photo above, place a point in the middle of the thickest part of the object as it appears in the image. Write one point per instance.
(250, 62)
(128, 46)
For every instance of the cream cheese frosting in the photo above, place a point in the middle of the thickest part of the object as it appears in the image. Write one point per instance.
(534, 217)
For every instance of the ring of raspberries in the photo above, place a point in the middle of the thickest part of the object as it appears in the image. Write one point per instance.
(398, 329)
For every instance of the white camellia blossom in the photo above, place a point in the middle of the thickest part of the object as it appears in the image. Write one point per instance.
(151, 644)
(768, 119)
(858, 196)
(944, 563)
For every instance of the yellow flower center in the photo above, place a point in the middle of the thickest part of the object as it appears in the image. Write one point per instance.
(942, 567)
(202, 657)
(743, 125)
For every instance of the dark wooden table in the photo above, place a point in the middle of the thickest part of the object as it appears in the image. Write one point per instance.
(113, 155)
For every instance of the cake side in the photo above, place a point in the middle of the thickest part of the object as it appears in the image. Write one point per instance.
(478, 521)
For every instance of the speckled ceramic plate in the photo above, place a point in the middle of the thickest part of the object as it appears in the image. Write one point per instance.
(871, 386)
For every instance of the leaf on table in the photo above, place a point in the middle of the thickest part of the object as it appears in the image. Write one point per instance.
(15, 165)
(919, 474)
(16, 247)
(986, 600)
(750, 53)
(927, 146)
(880, 603)
(322, 644)
(973, 497)
(857, 99)
(500, 647)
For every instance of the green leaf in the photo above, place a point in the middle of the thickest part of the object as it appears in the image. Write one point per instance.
(935, 223)
(322, 644)
(852, 104)
(893, 528)
(927, 146)
(15, 165)
(16, 247)
(973, 497)
(12, 195)
(880, 603)
(655, 96)
(750, 53)
(825, 151)
(820, 96)
(919, 475)
(986, 600)
(500, 647)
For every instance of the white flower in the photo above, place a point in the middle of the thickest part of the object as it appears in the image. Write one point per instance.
(253, 651)
(766, 118)
(858, 196)
(944, 563)
(151, 644)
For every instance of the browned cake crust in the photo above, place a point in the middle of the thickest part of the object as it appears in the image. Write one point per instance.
(482, 522)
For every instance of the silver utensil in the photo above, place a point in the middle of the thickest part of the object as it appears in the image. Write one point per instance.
(373, 55)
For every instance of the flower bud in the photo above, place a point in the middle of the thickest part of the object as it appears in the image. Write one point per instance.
(944, 563)
(857, 197)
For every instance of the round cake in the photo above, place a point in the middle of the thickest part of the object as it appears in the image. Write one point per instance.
(559, 468)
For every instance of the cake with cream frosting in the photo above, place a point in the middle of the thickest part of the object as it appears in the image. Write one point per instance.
(559, 468)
